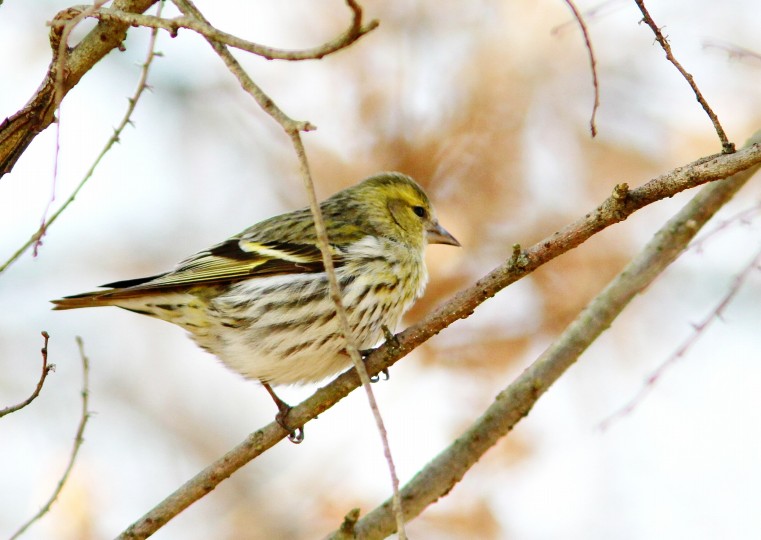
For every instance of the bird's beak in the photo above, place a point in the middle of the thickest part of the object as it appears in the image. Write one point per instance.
(439, 235)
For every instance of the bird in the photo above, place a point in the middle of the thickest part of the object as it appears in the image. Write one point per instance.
(259, 301)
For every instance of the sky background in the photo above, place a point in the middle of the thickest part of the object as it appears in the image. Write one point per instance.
(487, 104)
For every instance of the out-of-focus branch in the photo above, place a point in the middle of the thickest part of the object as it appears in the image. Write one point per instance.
(728, 147)
(512, 404)
(46, 368)
(19, 130)
(616, 208)
(356, 30)
(698, 331)
(78, 440)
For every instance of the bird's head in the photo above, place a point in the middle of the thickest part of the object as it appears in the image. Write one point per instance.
(399, 209)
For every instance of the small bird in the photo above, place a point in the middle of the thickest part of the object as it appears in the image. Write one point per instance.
(260, 302)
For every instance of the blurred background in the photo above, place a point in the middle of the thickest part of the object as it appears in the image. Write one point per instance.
(487, 104)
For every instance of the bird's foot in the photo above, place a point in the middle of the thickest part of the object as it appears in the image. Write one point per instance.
(295, 435)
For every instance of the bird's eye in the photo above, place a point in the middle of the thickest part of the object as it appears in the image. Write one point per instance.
(419, 211)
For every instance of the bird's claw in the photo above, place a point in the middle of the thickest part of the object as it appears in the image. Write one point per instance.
(295, 435)
(376, 378)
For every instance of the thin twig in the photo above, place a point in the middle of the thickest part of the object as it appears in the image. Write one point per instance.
(355, 31)
(65, 25)
(78, 440)
(733, 51)
(727, 147)
(743, 217)
(263, 100)
(592, 64)
(142, 85)
(293, 130)
(698, 331)
(343, 323)
(614, 210)
(46, 368)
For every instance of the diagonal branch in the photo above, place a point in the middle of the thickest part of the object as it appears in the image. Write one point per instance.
(728, 147)
(126, 120)
(616, 208)
(512, 404)
(262, 99)
(699, 330)
(293, 130)
(19, 130)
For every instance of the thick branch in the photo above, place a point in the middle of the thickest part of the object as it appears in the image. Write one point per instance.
(19, 130)
(517, 400)
(616, 208)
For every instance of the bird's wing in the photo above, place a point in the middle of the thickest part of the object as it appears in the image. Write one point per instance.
(237, 259)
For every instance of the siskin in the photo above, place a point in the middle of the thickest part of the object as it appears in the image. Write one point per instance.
(259, 301)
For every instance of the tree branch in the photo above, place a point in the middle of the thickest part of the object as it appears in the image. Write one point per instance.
(592, 64)
(515, 402)
(728, 147)
(78, 440)
(262, 99)
(356, 30)
(19, 130)
(699, 330)
(616, 208)
(142, 84)
(46, 368)
(343, 323)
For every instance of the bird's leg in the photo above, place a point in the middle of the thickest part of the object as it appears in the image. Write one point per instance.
(294, 435)
(392, 342)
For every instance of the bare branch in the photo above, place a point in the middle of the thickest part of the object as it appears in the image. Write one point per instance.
(142, 84)
(616, 208)
(512, 404)
(698, 331)
(343, 323)
(262, 99)
(733, 51)
(20, 129)
(46, 368)
(728, 147)
(78, 440)
(592, 64)
(293, 129)
(355, 31)
(744, 217)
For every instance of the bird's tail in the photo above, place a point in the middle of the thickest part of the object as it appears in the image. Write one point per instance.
(90, 299)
